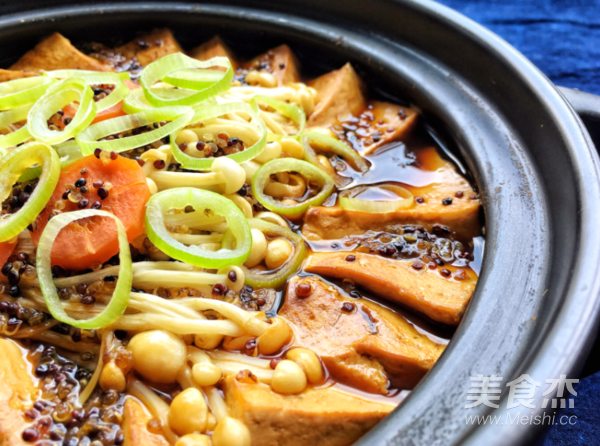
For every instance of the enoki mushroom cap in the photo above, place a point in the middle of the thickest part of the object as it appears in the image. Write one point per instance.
(233, 173)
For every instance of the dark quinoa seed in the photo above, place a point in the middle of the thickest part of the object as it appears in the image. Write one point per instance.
(445, 272)
(65, 195)
(350, 258)
(67, 120)
(13, 277)
(120, 334)
(232, 276)
(83, 203)
(96, 205)
(183, 147)
(83, 190)
(114, 155)
(98, 184)
(15, 291)
(80, 182)
(347, 307)
(459, 194)
(303, 290)
(159, 164)
(417, 265)
(88, 300)
(7, 268)
(76, 336)
(97, 153)
(250, 344)
(447, 201)
(31, 434)
(103, 192)
(420, 200)
(220, 289)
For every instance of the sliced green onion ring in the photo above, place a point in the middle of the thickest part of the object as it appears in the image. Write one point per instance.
(331, 145)
(22, 91)
(214, 111)
(164, 69)
(13, 165)
(13, 116)
(56, 97)
(308, 171)
(136, 102)
(348, 200)
(192, 79)
(290, 111)
(118, 302)
(277, 278)
(88, 139)
(68, 153)
(98, 78)
(204, 202)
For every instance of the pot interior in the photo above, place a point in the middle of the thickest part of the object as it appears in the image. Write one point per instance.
(515, 144)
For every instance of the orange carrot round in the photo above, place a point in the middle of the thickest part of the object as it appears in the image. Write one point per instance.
(86, 242)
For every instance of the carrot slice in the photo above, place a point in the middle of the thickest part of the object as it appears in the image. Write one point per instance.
(88, 241)
(6, 250)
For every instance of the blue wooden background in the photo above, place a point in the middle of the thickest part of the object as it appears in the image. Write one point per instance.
(562, 38)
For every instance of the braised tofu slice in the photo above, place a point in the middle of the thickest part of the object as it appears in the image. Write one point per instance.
(361, 343)
(135, 430)
(379, 124)
(280, 62)
(339, 95)
(461, 216)
(57, 53)
(426, 291)
(17, 393)
(316, 417)
(151, 47)
(215, 47)
(10, 75)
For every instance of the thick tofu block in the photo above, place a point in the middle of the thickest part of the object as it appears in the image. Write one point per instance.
(57, 53)
(151, 47)
(388, 123)
(426, 291)
(280, 62)
(9, 75)
(339, 95)
(316, 417)
(462, 216)
(215, 47)
(135, 421)
(17, 393)
(365, 347)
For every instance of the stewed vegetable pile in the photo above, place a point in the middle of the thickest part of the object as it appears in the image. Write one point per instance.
(159, 244)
